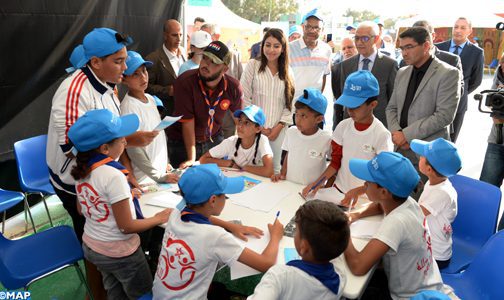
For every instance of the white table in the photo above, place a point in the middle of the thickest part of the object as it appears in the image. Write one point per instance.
(355, 284)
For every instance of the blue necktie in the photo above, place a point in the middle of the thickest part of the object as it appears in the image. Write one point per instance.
(365, 64)
(456, 51)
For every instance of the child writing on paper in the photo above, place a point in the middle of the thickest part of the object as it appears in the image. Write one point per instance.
(249, 150)
(110, 239)
(150, 163)
(193, 246)
(306, 144)
(360, 136)
(439, 160)
(322, 234)
(402, 241)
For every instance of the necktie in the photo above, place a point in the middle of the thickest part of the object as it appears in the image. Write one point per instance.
(365, 64)
(456, 51)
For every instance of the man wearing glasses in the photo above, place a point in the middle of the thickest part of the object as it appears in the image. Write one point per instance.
(426, 94)
(310, 57)
(369, 58)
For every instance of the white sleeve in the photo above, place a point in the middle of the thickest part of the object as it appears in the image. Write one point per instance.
(227, 248)
(117, 188)
(264, 147)
(225, 148)
(285, 144)
(435, 202)
(246, 82)
(269, 287)
(384, 142)
(337, 135)
(390, 232)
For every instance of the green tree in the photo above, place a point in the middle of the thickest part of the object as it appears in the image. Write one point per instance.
(359, 16)
(261, 10)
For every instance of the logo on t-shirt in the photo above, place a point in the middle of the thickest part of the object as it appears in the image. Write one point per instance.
(176, 265)
(426, 262)
(96, 209)
(367, 148)
(224, 104)
(315, 154)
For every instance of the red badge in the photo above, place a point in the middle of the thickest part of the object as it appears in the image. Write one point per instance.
(178, 258)
(93, 203)
(224, 104)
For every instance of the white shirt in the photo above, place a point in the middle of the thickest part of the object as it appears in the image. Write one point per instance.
(244, 157)
(409, 264)
(441, 201)
(96, 193)
(267, 91)
(371, 58)
(307, 154)
(288, 282)
(309, 65)
(189, 258)
(149, 118)
(175, 60)
(364, 144)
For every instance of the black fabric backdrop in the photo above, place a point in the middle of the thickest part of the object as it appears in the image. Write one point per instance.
(37, 37)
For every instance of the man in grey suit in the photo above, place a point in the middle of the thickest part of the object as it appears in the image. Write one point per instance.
(472, 64)
(383, 68)
(425, 96)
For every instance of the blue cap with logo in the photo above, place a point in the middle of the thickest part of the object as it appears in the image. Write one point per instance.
(200, 182)
(295, 29)
(100, 126)
(254, 113)
(359, 86)
(314, 99)
(312, 13)
(390, 170)
(134, 61)
(102, 42)
(441, 154)
(76, 58)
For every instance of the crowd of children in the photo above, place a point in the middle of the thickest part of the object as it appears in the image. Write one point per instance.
(413, 241)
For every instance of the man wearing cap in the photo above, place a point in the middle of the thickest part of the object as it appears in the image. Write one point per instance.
(294, 33)
(167, 61)
(202, 98)
(310, 57)
(199, 40)
(369, 58)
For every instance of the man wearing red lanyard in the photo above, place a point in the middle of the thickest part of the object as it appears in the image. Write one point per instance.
(202, 97)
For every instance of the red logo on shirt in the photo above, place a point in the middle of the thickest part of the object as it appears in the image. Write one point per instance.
(426, 262)
(179, 258)
(93, 203)
(224, 104)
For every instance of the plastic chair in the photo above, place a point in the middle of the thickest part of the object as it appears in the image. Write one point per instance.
(478, 209)
(493, 66)
(483, 278)
(29, 259)
(7, 200)
(33, 172)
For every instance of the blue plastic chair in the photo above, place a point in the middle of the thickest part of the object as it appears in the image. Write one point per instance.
(7, 200)
(483, 279)
(478, 209)
(32, 258)
(32, 168)
(146, 297)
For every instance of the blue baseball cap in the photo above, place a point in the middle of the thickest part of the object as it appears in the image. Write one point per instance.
(134, 61)
(390, 170)
(441, 154)
(312, 13)
(100, 126)
(430, 295)
(254, 113)
(158, 101)
(76, 58)
(102, 42)
(199, 183)
(295, 29)
(359, 86)
(314, 99)
(350, 27)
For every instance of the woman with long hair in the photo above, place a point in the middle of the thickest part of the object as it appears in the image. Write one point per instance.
(268, 83)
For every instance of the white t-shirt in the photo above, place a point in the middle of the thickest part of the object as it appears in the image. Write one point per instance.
(244, 157)
(408, 263)
(359, 144)
(189, 258)
(96, 193)
(149, 118)
(441, 201)
(307, 155)
(288, 282)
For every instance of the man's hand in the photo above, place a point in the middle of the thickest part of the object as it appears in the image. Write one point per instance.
(172, 178)
(398, 138)
(186, 164)
(277, 177)
(141, 138)
(241, 231)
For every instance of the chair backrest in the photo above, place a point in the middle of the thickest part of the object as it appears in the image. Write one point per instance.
(31, 161)
(478, 209)
(494, 63)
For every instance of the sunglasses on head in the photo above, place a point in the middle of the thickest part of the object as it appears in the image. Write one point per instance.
(124, 39)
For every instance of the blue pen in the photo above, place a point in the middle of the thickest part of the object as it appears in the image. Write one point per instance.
(317, 184)
(278, 214)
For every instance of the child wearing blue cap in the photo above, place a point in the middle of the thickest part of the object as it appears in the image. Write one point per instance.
(150, 163)
(360, 136)
(249, 150)
(110, 239)
(306, 144)
(193, 246)
(402, 241)
(439, 160)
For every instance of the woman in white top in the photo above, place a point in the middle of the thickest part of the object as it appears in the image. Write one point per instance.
(267, 82)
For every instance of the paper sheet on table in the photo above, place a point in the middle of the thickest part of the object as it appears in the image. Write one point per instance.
(156, 187)
(364, 229)
(166, 200)
(263, 197)
(328, 194)
(166, 122)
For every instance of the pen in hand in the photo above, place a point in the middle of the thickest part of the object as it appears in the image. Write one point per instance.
(276, 218)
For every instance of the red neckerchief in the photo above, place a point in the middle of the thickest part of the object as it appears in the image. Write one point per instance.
(211, 108)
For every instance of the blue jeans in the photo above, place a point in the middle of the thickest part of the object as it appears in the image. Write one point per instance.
(493, 168)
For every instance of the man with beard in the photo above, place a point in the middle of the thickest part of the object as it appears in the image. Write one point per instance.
(202, 98)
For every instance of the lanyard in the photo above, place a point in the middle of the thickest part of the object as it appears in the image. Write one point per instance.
(211, 107)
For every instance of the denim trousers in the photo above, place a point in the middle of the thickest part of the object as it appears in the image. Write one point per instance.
(493, 168)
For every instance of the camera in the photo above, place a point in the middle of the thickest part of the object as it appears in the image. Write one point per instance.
(494, 100)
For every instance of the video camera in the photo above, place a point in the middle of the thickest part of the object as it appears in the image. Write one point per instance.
(494, 100)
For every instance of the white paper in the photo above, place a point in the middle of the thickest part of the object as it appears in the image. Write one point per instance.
(166, 122)
(166, 200)
(329, 194)
(364, 229)
(263, 197)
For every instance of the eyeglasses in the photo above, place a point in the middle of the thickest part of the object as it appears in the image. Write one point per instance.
(408, 47)
(312, 28)
(363, 38)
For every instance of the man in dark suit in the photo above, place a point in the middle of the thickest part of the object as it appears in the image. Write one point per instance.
(472, 65)
(383, 68)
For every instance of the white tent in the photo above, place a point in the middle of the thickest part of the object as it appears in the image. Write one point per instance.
(219, 14)
(479, 19)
